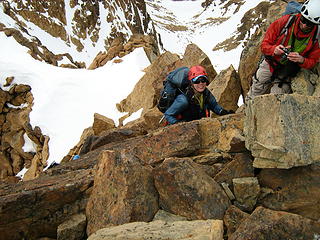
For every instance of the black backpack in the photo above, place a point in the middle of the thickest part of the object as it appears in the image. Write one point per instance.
(175, 83)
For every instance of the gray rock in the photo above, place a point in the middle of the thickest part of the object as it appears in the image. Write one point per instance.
(282, 131)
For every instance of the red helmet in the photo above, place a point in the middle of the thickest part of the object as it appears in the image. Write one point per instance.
(197, 71)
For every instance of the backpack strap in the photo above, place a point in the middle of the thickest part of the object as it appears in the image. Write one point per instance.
(316, 37)
(286, 27)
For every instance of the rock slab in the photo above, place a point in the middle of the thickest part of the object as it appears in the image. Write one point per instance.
(282, 131)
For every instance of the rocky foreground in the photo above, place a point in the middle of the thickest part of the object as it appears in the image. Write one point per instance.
(193, 180)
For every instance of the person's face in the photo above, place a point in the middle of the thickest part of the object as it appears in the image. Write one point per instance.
(200, 85)
(305, 25)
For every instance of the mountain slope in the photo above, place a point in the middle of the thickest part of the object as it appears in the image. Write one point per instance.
(77, 29)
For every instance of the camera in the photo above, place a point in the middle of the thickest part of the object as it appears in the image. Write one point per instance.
(285, 54)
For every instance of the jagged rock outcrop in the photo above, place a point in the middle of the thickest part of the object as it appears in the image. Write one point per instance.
(282, 131)
(16, 105)
(226, 88)
(120, 48)
(74, 25)
(145, 92)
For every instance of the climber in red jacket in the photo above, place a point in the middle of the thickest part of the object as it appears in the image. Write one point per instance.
(290, 43)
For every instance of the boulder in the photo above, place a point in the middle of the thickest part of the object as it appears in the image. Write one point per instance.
(101, 123)
(73, 228)
(39, 162)
(295, 190)
(306, 83)
(282, 131)
(186, 190)
(193, 55)
(191, 230)
(226, 88)
(222, 134)
(233, 218)
(123, 192)
(36, 208)
(246, 191)
(277, 225)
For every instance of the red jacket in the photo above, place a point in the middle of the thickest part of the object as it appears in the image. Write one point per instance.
(272, 39)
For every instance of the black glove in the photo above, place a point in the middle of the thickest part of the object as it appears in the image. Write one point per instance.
(225, 112)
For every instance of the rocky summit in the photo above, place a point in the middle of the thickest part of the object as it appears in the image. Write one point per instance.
(249, 175)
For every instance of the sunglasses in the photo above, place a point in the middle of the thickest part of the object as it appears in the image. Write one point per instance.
(307, 22)
(200, 79)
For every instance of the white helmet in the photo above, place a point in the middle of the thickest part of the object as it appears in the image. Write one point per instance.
(311, 11)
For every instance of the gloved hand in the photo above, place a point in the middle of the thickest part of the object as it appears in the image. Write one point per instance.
(225, 112)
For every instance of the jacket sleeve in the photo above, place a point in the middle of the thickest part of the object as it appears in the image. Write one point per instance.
(213, 105)
(271, 38)
(178, 106)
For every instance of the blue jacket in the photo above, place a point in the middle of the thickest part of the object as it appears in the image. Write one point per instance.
(190, 109)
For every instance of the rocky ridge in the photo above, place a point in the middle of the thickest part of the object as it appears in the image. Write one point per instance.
(89, 20)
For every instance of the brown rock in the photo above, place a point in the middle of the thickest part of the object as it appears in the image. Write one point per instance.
(226, 88)
(233, 218)
(296, 190)
(9, 80)
(212, 158)
(267, 224)
(22, 88)
(39, 162)
(193, 55)
(246, 191)
(123, 192)
(147, 122)
(167, 217)
(3, 98)
(35, 208)
(101, 123)
(73, 228)
(241, 166)
(146, 91)
(5, 166)
(220, 134)
(186, 190)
